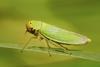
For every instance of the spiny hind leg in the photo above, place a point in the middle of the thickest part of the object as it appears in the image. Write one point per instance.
(56, 44)
(65, 48)
(47, 42)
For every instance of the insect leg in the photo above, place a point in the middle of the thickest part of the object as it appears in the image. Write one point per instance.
(56, 43)
(48, 46)
(26, 44)
(65, 48)
(47, 42)
(53, 43)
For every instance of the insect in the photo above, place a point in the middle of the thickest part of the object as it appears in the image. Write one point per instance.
(50, 33)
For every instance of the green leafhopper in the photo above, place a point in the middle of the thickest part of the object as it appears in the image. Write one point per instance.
(50, 33)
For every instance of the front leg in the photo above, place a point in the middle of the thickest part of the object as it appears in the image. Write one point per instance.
(26, 44)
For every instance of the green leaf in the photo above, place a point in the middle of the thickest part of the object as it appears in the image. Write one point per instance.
(58, 51)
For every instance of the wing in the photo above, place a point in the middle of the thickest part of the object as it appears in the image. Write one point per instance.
(61, 35)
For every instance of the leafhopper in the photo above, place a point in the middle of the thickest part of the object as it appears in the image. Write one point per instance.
(51, 33)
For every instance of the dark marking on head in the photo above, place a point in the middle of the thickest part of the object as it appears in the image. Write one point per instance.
(33, 31)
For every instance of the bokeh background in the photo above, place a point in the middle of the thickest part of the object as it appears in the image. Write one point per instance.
(82, 16)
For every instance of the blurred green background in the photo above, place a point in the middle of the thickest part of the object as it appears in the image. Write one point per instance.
(82, 16)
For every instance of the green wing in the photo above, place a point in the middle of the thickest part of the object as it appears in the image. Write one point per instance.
(61, 35)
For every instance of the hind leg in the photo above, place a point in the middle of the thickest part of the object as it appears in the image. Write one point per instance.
(59, 44)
